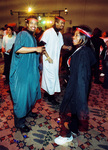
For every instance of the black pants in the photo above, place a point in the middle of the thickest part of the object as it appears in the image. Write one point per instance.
(105, 84)
(96, 71)
(7, 61)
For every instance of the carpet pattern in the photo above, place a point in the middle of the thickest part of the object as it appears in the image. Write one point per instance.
(46, 126)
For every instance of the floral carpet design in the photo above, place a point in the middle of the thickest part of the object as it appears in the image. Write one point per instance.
(45, 128)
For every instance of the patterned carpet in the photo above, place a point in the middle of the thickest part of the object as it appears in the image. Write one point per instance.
(45, 127)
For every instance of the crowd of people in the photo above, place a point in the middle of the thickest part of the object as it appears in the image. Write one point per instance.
(23, 52)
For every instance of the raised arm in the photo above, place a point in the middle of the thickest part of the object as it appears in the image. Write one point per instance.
(42, 43)
(23, 50)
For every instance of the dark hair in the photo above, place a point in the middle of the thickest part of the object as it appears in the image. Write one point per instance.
(32, 16)
(11, 29)
(2, 29)
(57, 18)
(85, 39)
(97, 32)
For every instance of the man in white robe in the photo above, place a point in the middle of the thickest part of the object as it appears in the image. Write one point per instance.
(53, 41)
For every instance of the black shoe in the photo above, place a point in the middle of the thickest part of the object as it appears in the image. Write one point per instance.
(32, 114)
(9, 91)
(51, 98)
(24, 128)
(55, 102)
(45, 95)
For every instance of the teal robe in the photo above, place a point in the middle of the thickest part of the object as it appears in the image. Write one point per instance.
(24, 75)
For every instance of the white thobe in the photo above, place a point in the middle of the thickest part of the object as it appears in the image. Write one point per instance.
(50, 75)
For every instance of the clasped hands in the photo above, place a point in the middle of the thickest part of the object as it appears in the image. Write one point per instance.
(46, 54)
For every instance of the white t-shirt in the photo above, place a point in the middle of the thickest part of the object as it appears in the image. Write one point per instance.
(8, 42)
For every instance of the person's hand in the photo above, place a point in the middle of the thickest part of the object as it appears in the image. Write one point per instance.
(40, 49)
(50, 60)
(9, 50)
(43, 50)
(3, 50)
(69, 48)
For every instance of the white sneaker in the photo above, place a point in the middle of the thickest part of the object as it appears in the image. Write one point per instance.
(62, 140)
(102, 74)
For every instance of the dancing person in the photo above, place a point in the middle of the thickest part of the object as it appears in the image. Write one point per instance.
(105, 64)
(53, 41)
(97, 43)
(76, 94)
(7, 45)
(24, 74)
(1, 40)
(67, 38)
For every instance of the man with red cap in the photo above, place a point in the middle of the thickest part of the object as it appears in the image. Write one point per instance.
(24, 74)
(53, 41)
